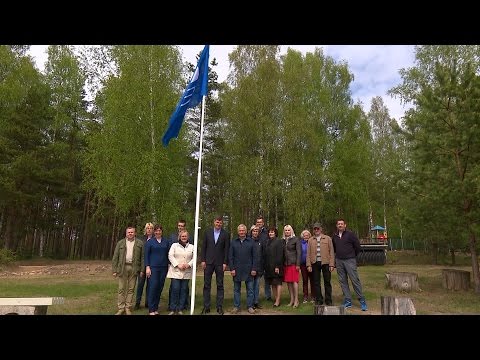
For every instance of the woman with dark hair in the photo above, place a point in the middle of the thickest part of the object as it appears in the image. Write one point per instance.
(156, 264)
(273, 257)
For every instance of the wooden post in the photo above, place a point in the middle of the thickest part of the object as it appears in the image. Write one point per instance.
(328, 310)
(397, 306)
(402, 281)
(456, 279)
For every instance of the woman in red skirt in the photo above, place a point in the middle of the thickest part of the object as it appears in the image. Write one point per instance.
(293, 253)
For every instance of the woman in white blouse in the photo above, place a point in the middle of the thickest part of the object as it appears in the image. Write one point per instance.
(180, 271)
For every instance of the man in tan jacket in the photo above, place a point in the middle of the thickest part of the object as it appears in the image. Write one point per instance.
(127, 263)
(321, 258)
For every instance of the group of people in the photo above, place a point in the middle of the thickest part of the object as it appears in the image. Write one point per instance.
(255, 253)
(150, 261)
(261, 253)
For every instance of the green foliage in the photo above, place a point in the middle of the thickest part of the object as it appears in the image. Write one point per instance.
(296, 148)
(23, 118)
(7, 257)
(389, 165)
(142, 178)
(442, 133)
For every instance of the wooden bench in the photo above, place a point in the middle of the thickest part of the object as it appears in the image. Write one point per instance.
(28, 306)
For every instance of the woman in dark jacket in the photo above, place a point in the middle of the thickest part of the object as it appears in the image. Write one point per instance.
(273, 263)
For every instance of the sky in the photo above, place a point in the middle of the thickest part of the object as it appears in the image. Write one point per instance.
(375, 67)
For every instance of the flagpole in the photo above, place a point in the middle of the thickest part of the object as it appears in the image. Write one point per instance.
(197, 212)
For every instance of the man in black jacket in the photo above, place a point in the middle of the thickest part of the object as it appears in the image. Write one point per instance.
(347, 247)
(214, 257)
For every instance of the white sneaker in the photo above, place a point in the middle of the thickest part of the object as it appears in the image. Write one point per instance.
(180, 313)
(171, 313)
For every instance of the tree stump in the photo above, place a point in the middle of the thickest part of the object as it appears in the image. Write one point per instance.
(402, 281)
(328, 310)
(397, 306)
(456, 279)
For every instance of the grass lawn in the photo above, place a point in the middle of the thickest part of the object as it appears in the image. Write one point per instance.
(94, 292)
(432, 299)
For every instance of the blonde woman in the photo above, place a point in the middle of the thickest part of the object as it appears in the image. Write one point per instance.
(147, 235)
(293, 253)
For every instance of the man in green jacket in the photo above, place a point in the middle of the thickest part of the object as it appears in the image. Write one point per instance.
(127, 263)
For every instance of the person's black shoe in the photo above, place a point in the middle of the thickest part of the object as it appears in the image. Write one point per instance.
(220, 311)
(269, 299)
(257, 306)
(205, 310)
(136, 307)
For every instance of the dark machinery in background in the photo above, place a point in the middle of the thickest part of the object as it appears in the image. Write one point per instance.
(374, 249)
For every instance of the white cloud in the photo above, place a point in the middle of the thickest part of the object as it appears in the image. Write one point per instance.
(376, 70)
(375, 67)
(39, 53)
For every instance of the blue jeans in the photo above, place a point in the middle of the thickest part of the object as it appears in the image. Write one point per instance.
(347, 268)
(237, 286)
(256, 289)
(183, 306)
(179, 294)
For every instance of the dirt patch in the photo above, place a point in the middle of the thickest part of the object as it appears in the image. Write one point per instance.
(69, 268)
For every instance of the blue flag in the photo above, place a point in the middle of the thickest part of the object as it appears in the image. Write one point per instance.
(196, 89)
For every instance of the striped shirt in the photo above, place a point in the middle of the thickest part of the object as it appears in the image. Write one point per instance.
(318, 249)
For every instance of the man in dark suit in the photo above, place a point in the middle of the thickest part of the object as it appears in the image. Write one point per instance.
(214, 257)
(263, 235)
(181, 226)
